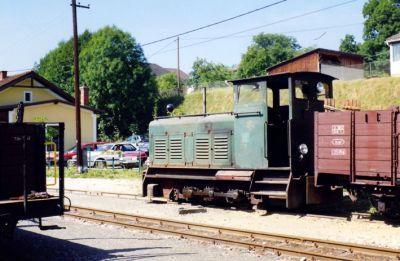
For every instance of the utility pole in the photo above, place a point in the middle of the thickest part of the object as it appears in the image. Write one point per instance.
(178, 72)
(79, 162)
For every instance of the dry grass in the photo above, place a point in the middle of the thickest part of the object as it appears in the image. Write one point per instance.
(375, 93)
(218, 100)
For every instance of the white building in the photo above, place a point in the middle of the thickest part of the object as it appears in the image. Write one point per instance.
(394, 44)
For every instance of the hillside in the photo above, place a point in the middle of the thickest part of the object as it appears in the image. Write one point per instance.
(375, 93)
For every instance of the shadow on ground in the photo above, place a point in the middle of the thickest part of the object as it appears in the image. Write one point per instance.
(28, 245)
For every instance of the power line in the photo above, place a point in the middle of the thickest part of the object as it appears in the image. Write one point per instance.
(216, 23)
(268, 24)
(161, 49)
(285, 32)
(319, 37)
(208, 38)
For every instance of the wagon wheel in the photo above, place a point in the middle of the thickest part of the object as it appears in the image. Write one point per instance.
(101, 164)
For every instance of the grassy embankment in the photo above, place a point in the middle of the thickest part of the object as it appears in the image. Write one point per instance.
(376, 93)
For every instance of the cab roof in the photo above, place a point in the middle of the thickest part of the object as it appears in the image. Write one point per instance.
(280, 80)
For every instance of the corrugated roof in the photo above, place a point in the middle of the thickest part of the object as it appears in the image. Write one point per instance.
(393, 38)
(318, 50)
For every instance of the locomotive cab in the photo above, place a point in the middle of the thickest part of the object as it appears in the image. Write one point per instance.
(286, 104)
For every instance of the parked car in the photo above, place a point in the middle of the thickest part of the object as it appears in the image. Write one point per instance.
(139, 141)
(69, 154)
(134, 138)
(123, 154)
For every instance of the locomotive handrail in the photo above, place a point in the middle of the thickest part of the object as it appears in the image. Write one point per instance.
(247, 114)
(192, 115)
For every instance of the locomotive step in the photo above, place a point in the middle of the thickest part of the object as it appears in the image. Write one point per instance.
(279, 168)
(272, 181)
(270, 193)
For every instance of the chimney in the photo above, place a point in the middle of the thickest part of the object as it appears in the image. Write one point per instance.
(3, 75)
(84, 95)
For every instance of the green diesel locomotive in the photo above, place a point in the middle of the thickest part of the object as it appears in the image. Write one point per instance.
(262, 152)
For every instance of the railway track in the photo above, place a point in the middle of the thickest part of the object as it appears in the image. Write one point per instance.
(313, 249)
(99, 193)
(349, 216)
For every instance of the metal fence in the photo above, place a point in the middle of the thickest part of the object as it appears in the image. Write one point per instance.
(377, 69)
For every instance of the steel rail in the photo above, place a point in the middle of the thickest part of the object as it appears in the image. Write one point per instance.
(252, 236)
(101, 193)
(357, 216)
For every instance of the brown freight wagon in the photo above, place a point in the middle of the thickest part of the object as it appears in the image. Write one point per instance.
(359, 150)
(23, 175)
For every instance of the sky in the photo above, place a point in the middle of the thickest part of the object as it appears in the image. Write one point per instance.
(30, 29)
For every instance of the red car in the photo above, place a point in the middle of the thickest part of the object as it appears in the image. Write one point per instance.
(90, 146)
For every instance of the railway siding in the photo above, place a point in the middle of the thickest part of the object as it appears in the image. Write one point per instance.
(332, 228)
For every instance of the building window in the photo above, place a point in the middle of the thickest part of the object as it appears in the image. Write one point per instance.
(27, 96)
(396, 52)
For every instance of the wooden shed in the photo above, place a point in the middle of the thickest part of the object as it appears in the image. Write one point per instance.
(344, 66)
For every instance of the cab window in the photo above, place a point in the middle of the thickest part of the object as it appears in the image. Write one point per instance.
(305, 90)
(251, 93)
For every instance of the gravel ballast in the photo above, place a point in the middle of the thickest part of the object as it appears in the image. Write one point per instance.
(361, 232)
(88, 241)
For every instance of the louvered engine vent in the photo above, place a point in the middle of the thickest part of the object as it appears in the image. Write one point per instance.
(175, 149)
(202, 148)
(160, 149)
(221, 149)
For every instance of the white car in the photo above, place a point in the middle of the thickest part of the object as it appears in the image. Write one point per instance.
(112, 154)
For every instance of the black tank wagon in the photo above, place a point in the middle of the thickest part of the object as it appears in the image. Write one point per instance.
(23, 175)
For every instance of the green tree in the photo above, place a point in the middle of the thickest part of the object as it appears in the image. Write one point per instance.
(266, 50)
(121, 82)
(113, 66)
(208, 72)
(382, 19)
(58, 65)
(349, 44)
(168, 93)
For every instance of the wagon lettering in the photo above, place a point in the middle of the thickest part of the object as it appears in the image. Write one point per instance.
(337, 142)
(337, 129)
(338, 152)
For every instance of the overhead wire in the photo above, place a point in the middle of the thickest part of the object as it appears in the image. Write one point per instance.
(266, 25)
(216, 23)
(161, 49)
(283, 32)
(320, 36)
